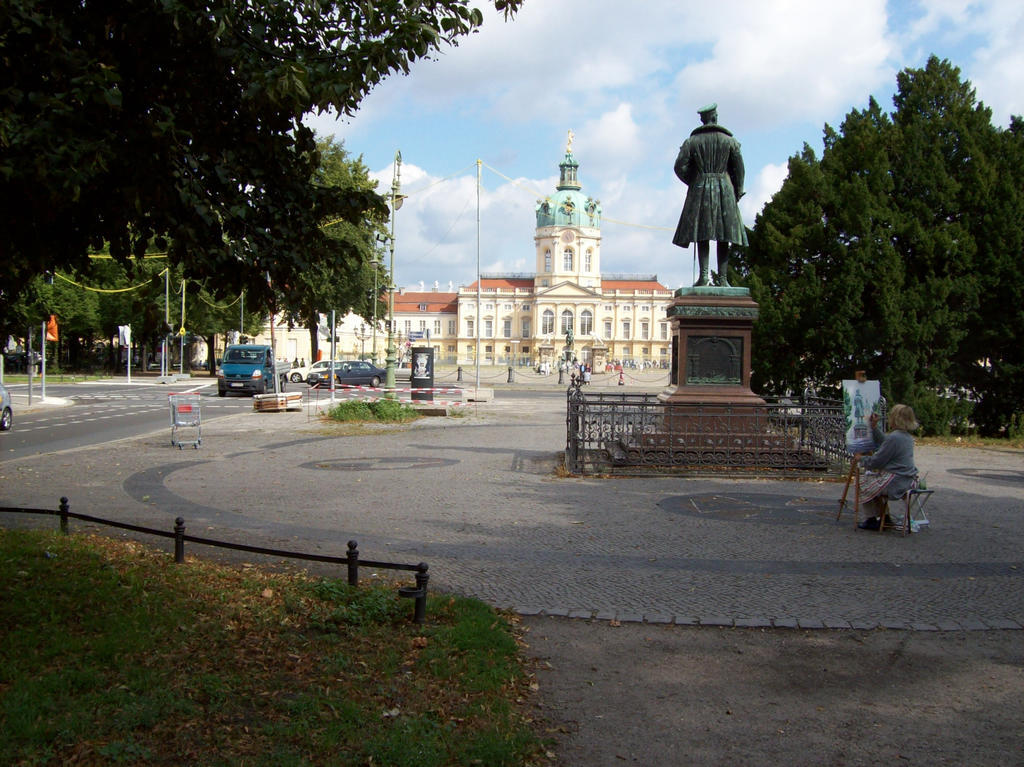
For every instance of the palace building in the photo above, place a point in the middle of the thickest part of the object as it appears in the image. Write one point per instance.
(526, 319)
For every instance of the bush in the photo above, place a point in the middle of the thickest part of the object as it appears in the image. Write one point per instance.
(941, 416)
(383, 410)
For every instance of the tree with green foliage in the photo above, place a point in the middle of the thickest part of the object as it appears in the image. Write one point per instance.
(89, 310)
(346, 281)
(989, 364)
(179, 124)
(883, 255)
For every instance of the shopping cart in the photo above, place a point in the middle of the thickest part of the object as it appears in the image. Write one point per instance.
(185, 414)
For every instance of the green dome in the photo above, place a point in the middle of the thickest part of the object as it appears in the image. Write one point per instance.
(568, 206)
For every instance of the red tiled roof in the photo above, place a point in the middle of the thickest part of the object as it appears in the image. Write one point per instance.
(436, 302)
(503, 283)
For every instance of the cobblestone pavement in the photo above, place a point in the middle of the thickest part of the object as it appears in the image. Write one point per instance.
(479, 499)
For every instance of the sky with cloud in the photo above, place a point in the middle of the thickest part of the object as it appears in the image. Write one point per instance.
(627, 79)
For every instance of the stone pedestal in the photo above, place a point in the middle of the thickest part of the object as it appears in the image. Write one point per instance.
(711, 331)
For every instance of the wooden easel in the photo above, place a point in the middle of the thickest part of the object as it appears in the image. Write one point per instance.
(852, 478)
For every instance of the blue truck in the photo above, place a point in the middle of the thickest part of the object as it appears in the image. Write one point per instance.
(250, 369)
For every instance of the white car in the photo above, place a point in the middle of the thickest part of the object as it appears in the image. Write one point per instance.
(299, 375)
(6, 411)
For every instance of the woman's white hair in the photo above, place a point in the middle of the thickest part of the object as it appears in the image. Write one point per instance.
(902, 417)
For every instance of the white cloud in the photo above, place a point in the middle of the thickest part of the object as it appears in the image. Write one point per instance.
(767, 182)
(436, 227)
(780, 62)
(997, 71)
(611, 142)
(628, 78)
(983, 39)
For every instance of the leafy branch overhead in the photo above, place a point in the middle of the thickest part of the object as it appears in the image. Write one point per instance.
(179, 124)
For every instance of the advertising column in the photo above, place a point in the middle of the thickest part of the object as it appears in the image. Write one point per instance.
(422, 375)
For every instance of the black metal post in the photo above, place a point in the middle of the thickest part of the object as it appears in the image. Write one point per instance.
(561, 375)
(64, 509)
(179, 540)
(420, 608)
(353, 564)
(459, 376)
(511, 375)
(803, 418)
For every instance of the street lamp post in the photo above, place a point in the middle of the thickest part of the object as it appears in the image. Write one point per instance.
(375, 263)
(396, 203)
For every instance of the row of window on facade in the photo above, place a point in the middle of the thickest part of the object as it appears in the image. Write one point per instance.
(586, 326)
(623, 353)
(569, 259)
(526, 307)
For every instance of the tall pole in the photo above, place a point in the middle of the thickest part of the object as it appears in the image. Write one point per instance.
(376, 265)
(128, 344)
(181, 333)
(479, 319)
(165, 369)
(334, 354)
(31, 366)
(273, 344)
(396, 203)
(42, 362)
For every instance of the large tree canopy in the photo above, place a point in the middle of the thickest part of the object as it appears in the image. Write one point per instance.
(178, 123)
(899, 253)
(354, 280)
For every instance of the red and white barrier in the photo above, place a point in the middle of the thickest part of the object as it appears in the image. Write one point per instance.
(371, 393)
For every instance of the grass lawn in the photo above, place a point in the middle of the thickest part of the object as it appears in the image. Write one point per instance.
(112, 654)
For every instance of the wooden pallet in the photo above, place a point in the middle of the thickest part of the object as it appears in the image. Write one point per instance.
(277, 402)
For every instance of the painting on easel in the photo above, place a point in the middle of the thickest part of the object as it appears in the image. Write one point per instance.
(861, 398)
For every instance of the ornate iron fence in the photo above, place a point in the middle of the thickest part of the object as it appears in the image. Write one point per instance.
(638, 433)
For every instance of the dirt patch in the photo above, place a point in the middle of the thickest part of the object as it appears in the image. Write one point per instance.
(666, 695)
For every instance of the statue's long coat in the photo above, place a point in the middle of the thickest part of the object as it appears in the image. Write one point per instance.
(710, 164)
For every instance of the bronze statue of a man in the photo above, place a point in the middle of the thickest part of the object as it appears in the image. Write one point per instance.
(710, 165)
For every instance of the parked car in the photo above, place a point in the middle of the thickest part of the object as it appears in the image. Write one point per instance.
(349, 373)
(299, 375)
(6, 410)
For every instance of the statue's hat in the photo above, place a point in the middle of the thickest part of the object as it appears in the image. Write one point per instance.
(708, 109)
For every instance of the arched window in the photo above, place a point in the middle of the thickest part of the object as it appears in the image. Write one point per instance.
(567, 259)
(566, 321)
(586, 322)
(547, 322)
(547, 260)
(588, 261)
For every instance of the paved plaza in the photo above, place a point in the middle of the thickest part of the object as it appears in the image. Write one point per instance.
(479, 498)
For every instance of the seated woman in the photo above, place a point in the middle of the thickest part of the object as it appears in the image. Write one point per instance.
(892, 463)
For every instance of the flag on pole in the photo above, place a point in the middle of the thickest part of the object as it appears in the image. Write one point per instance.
(51, 328)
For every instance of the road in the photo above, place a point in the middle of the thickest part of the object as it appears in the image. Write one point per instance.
(101, 412)
(104, 411)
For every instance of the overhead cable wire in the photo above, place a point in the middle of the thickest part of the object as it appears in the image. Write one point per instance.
(219, 306)
(106, 290)
(145, 256)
